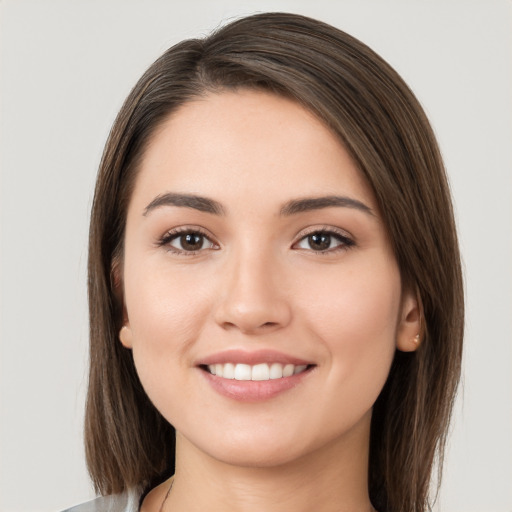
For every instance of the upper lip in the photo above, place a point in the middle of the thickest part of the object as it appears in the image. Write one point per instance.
(251, 358)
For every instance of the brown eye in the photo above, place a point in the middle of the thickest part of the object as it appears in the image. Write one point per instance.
(190, 241)
(324, 241)
(319, 241)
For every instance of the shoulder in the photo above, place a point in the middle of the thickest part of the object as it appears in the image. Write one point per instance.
(125, 502)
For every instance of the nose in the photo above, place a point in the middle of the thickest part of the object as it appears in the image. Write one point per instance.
(253, 298)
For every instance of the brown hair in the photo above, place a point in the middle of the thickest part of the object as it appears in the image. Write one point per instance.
(380, 122)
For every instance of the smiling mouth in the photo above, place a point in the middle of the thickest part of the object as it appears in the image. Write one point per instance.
(257, 372)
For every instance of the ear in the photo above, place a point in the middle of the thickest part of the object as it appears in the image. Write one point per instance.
(409, 331)
(116, 282)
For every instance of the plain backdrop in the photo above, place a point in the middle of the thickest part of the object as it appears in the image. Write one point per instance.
(66, 67)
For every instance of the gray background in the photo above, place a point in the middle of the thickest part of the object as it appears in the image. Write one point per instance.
(67, 65)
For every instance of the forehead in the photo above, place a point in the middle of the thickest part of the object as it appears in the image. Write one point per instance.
(249, 144)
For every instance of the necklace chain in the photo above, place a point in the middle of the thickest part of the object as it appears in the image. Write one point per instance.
(166, 496)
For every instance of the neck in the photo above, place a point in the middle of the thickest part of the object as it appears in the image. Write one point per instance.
(333, 478)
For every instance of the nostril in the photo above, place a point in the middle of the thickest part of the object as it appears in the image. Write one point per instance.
(250, 328)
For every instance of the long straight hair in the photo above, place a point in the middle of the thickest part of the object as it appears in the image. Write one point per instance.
(382, 125)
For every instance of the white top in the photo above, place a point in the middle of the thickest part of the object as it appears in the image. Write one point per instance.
(125, 502)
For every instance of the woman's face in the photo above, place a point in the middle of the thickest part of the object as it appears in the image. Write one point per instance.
(263, 302)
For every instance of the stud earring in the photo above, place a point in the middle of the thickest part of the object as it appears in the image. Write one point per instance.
(416, 339)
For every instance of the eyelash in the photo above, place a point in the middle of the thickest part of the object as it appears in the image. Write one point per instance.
(345, 241)
(181, 231)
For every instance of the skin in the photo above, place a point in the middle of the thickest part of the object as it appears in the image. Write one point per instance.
(258, 283)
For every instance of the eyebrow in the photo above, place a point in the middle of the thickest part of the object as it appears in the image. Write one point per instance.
(203, 204)
(316, 203)
(295, 206)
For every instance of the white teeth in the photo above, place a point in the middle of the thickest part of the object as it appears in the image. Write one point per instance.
(299, 369)
(229, 371)
(288, 370)
(243, 372)
(276, 371)
(260, 372)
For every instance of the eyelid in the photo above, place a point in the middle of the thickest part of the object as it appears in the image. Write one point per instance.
(347, 239)
(323, 229)
(173, 233)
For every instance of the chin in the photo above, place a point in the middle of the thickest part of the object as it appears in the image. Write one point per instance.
(270, 448)
(256, 456)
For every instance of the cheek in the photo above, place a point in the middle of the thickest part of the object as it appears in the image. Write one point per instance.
(167, 312)
(355, 315)
(164, 301)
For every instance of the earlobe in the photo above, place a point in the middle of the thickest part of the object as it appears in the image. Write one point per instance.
(125, 336)
(409, 332)
(116, 283)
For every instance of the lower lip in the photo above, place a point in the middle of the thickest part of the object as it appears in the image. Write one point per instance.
(254, 390)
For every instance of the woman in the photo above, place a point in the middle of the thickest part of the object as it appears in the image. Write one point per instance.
(274, 281)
